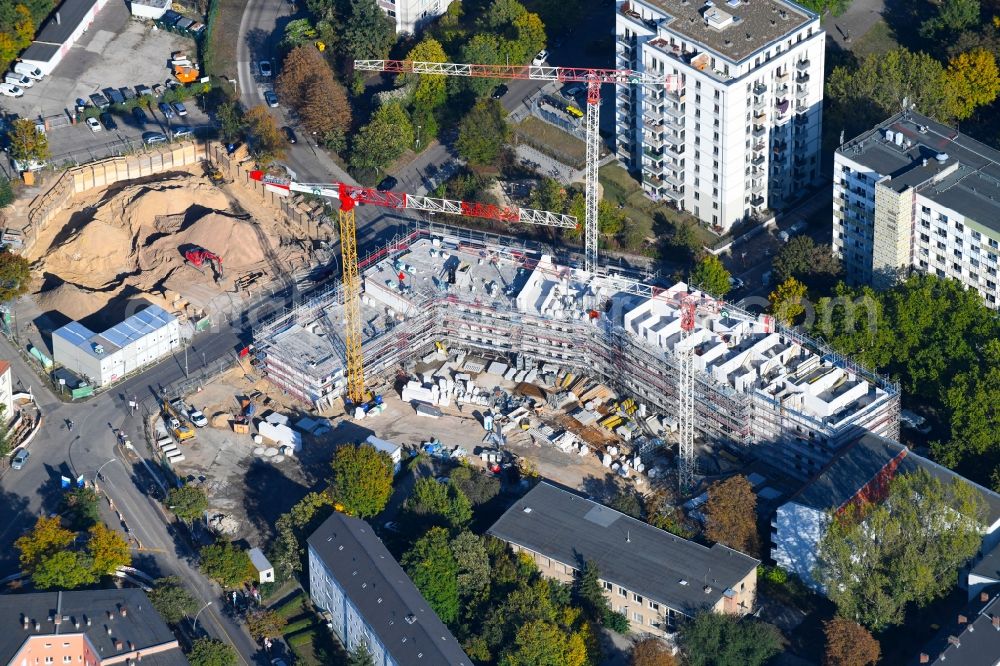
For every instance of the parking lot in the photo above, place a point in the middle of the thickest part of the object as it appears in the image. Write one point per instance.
(117, 51)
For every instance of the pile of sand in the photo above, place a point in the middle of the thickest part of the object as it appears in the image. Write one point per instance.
(72, 301)
(135, 237)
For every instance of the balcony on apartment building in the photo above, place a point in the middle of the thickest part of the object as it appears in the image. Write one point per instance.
(780, 147)
(801, 92)
(759, 89)
(758, 160)
(696, 59)
(758, 131)
(783, 78)
(803, 65)
(757, 200)
(757, 186)
(802, 77)
(626, 10)
(675, 150)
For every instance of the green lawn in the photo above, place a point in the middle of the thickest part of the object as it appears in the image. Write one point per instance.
(552, 141)
(305, 633)
(221, 49)
(622, 189)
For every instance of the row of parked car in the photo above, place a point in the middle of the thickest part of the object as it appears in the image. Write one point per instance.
(20, 77)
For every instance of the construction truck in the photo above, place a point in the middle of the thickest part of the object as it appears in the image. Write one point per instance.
(197, 256)
(176, 423)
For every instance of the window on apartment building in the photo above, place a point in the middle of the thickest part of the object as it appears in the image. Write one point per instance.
(622, 592)
(991, 284)
(976, 235)
(654, 606)
(715, 219)
(941, 246)
(958, 242)
(974, 276)
(994, 243)
(697, 85)
(925, 210)
(608, 586)
(925, 224)
(959, 226)
(715, 205)
(923, 264)
(716, 122)
(715, 164)
(941, 217)
(637, 617)
(925, 238)
(697, 195)
(697, 141)
(716, 110)
(958, 253)
(939, 258)
(974, 263)
(990, 298)
(697, 99)
(67, 659)
(716, 136)
(957, 268)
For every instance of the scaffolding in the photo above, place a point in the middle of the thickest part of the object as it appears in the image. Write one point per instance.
(596, 344)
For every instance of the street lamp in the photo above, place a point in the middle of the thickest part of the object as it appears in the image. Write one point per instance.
(105, 463)
(417, 146)
(199, 613)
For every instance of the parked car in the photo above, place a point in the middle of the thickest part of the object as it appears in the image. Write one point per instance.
(793, 230)
(388, 184)
(392, 526)
(114, 95)
(127, 92)
(109, 121)
(499, 91)
(271, 98)
(100, 101)
(265, 68)
(165, 109)
(150, 138)
(736, 283)
(540, 59)
(157, 89)
(198, 419)
(94, 125)
(290, 135)
(182, 130)
(16, 79)
(914, 421)
(10, 90)
(140, 115)
(179, 108)
(28, 70)
(142, 90)
(20, 458)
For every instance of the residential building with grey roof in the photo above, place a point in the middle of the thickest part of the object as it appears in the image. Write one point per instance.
(861, 472)
(736, 130)
(104, 358)
(91, 627)
(651, 576)
(968, 638)
(913, 194)
(371, 601)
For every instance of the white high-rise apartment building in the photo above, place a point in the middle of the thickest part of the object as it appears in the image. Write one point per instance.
(738, 132)
(411, 15)
(912, 194)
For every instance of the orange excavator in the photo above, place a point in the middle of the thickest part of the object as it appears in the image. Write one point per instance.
(197, 257)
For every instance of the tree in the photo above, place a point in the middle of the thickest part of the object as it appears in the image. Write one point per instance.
(27, 144)
(971, 400)
(432, 498)
(475, 484)
(45, 539)
(712, 639)
(482, 132)
(360, 656)
(6, 192)
(265, 624)
(268, 141)
(650, 651)
(15, 275)
(298, 33)
(368, 32)
(541, 643)
(786, 301)
(308, 85)
(473, 564)
(885, 80)
(430, 92)
(849, 644)
(171, 599)
(79, 507)
(908, 548)
(953, 17)
(482, 48)
(383, 140)
(530, 38)
(711, 276)
(188, 502)
(434, 571)
(302, 519)
(108, 550)
(211, 652)
(362, 479)
(835, 7)
(853, 322)
(589, 592)
(610, 220)
(230, 118)
(804, 260)
(972, 81)
(65, 570)
(226, 564)
(731, 514)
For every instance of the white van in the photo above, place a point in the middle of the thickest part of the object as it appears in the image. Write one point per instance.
(10, 90)
(28, 70)
(18, 80)
(793, 230)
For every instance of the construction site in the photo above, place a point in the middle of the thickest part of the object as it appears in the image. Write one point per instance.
(181, 240)
(441, 306)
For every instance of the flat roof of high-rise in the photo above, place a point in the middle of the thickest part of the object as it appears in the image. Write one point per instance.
(734, 29)
(960, 173)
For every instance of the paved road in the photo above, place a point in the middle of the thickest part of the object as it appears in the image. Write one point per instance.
(261, 29)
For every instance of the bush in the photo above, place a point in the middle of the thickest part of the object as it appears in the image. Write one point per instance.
(6, 192)
(616, 621)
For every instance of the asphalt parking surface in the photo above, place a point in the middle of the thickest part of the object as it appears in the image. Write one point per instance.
(117, 51)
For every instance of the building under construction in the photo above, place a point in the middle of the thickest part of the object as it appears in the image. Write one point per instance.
(757, 384)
